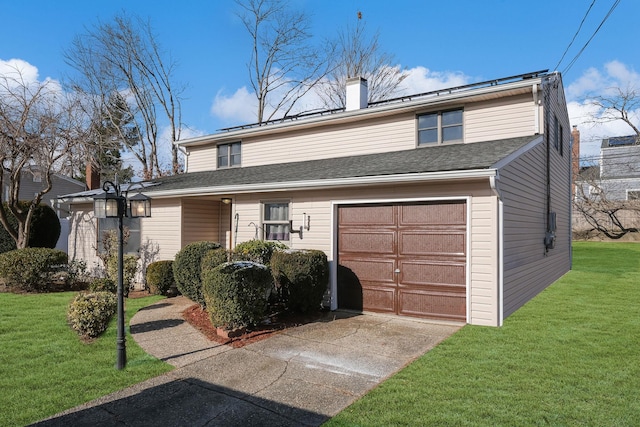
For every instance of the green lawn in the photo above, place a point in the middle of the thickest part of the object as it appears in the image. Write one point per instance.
(570, 357)
(45, 368)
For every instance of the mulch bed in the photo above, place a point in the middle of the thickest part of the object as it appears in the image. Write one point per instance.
(199, 319)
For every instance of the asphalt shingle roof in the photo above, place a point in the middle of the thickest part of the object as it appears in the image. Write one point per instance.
(454, 157)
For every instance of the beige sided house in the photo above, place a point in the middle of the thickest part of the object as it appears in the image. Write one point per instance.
(451, 205)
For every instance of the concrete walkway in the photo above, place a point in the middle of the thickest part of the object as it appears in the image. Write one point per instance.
(299, 377)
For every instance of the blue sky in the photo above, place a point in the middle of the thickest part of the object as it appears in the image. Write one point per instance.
(440, 43)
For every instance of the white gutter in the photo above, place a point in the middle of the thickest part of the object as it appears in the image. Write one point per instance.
(324, 183)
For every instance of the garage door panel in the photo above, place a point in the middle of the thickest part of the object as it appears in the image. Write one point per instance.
(429, 243)
(431, 273)
(372, 242)
(438, 305)
(425, 242)
(367, 215)
(379, 299)
(433, 214)
(372, 270)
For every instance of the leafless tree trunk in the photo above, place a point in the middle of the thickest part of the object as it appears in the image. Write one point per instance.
(39, 127)
(358, 55)
(123, 57)
(603, 215)
(598, 202)
(284, 64)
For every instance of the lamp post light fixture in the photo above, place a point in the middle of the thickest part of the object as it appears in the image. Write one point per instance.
(115, 203)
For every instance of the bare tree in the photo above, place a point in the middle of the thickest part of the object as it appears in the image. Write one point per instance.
(360, 55)
(600, 211)
(123, 58)
(602, 201)
(39, 127)
(620, 104)
(284, 64)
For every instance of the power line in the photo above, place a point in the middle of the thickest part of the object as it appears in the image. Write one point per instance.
(573, 61)
(575, 35)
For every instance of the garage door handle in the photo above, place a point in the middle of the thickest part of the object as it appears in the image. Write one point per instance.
(397, 271)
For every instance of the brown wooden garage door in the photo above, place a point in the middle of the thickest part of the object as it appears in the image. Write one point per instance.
(406, 259)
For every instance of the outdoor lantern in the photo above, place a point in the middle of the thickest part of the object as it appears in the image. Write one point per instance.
(140, 206)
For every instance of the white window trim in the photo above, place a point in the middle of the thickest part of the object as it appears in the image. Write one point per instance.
(264, 223)
(439, 128)
(228, 145)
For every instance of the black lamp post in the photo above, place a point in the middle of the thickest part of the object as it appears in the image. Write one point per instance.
(114, 203)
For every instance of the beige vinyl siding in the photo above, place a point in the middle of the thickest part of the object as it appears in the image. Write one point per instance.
(501, 118)
(484, 308)
(201, 220)
(83, 240)
(528, 269)
(202, 158)
(162, 230)
(483, 277)
(368, 136)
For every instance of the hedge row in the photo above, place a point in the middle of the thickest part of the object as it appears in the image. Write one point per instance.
(31, 269)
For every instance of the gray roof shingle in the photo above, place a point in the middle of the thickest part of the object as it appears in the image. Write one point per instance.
(454, 157)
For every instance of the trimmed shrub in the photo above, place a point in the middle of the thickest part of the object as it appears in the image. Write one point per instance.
(187, 270)
(214, 258)
(301, 278)
(259, 251)
(31, 269)
(129, 269)
(89, 314)
(236, 293)
(45, 228)
(103, 284)
(160, 278)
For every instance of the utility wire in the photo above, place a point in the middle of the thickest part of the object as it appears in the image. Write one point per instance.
(573, 61)
(575, 35)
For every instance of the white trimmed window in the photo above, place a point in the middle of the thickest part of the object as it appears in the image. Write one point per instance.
(440, 127)
(275, 221)
(633, 194)
(229, 155)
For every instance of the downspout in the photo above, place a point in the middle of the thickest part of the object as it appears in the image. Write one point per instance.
(500, 273)
(550, 235)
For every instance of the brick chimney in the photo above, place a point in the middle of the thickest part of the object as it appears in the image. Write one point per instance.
(575, 157)
(357, 94)
(92, 175)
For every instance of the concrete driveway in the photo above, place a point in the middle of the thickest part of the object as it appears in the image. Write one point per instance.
(300, 377)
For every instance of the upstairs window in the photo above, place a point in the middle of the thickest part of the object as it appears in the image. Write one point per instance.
(275, 221)
(440, 128)
(229, 155)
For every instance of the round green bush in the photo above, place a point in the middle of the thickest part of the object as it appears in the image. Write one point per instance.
(31, 269)
(259, 251)
(187, 270)
(160, 278)
(214, 258)
(103, 284)
(45, 228)
(236, 293)
(89, 313)
(301, 277)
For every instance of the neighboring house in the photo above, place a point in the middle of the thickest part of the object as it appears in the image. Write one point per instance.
(618, 172)
(32, 182)
(615, 180)
(451, 205)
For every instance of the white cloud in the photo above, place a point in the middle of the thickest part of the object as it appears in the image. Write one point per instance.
(599, 82)
(422, 79)
(19, 70)
(240, 107)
